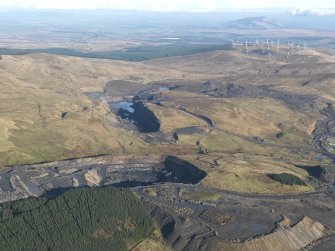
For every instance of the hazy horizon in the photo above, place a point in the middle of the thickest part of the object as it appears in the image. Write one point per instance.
(173, 5)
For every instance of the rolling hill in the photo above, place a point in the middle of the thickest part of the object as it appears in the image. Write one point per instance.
(254, 23)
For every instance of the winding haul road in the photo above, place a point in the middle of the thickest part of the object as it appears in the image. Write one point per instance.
(323, 129)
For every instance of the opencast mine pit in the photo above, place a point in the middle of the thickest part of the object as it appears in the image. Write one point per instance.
(236, 221)
(19, 182)
(199, 153)
(193, 216)
(302, 234)
(168, 187)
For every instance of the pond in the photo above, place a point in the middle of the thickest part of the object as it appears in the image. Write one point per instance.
(125, 106)
(164, 89)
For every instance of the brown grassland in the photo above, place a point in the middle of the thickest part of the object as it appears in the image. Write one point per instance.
(38, 88)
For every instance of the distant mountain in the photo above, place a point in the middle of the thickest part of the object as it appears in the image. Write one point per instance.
(254, 23)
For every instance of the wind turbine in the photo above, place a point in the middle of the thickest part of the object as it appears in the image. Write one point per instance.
(262, 46)
(277, 46)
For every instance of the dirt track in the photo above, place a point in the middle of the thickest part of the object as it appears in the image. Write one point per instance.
(325, 129)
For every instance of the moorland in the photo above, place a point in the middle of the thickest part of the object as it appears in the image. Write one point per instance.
(225, 135)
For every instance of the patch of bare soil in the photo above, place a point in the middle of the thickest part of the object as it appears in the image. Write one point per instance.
(216, 217)
(93, 178)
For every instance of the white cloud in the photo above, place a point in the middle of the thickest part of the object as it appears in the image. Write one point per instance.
(306, 11)
(159, 5)
(166, 5)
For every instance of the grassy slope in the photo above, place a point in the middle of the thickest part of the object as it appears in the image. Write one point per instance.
(153, 243)
(59, 84)
(263, 118)
(236, 119)
(248, 173)
(84, 219)
(38, 88)
(201, 196)
(171, 119)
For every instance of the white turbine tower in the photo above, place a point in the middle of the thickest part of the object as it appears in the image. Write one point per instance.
(262, 46)
(257, 41)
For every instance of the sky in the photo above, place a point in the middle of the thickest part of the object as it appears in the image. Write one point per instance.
(170, 5)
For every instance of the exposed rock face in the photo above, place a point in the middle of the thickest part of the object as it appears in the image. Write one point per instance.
(177, 170)
(297, 237)
(123, 171)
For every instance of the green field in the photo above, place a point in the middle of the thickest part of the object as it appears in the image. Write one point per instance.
(83, 219)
